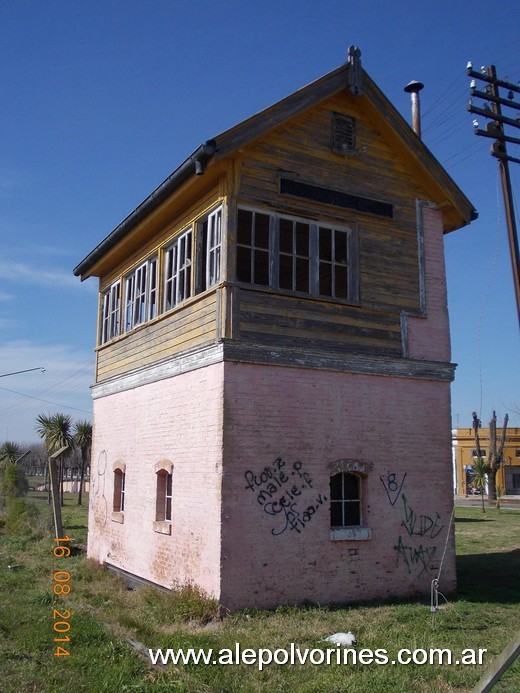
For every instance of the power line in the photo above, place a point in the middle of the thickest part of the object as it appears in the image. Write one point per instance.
(39, 399)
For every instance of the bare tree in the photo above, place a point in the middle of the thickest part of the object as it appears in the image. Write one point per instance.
(495, 452)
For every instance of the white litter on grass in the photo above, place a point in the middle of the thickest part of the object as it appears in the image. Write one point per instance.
(344, 639)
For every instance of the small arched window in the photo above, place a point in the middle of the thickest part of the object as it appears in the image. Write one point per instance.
(119, 490)
(163, 507)
(345, 500)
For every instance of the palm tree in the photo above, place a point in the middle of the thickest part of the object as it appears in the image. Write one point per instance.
(9, 453)
(83, 439)
(56, 431)
(480, 470)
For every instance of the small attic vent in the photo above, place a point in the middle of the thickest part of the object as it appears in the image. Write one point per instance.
(336, 198)
(343, 133)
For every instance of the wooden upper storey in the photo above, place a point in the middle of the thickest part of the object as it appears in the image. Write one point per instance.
(297, 227)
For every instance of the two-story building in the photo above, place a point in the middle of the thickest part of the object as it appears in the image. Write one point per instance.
(272, 386)
(465, 456)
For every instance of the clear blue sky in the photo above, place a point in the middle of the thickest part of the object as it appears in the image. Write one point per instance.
(103, 100)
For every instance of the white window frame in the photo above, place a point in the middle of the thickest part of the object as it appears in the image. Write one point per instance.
(213, 247)
(141, 294)
(360, 470)
(163, 497)
(177, 272)
(111, 312)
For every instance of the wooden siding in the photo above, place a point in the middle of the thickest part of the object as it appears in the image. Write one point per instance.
(188, 327)
(268, 318)
(302, 149)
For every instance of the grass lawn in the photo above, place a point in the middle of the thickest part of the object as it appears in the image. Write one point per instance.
(100, 615)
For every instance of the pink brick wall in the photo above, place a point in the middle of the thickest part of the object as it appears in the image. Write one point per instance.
(429, 339)
(178, 419)
(400, 426)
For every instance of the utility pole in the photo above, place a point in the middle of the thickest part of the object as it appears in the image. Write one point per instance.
(495, 129)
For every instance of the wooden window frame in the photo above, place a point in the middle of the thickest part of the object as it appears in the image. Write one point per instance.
(111, 312)
(140, 294)
(296, 255)
(252, 253)
(214, 247)
(350, 264)
(178, 270)
(208, 249)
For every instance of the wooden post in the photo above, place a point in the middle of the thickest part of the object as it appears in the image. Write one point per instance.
(498, 666)
(55, 491)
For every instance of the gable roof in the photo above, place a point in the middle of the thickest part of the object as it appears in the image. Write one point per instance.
(457, 209)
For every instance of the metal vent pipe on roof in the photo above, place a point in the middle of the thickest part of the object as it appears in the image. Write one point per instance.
(413, 88)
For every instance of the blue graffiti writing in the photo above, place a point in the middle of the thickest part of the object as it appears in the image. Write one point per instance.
(392, 486)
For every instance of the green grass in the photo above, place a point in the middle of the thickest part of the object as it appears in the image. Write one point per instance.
(104, 615)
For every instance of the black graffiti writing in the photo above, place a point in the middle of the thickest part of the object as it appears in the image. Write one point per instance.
(295, 520)
(285, 501)
(415, 556)
(279, 488)
(274, 474)
(420, 525)
(392, 486)
(297, 467)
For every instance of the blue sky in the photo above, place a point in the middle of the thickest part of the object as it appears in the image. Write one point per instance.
(101, 101)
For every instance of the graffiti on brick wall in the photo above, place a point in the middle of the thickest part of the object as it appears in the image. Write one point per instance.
(420, 525)
(415, 525)
(285, 492)
(97, 498)
(415, 555)
(393, 486)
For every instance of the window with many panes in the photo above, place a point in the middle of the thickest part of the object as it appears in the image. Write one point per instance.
(177, 273)
(111, 312)
(333, 267)
(253, 247)
(209, 244)
(141, 294)
(294, 255)
(297, 255)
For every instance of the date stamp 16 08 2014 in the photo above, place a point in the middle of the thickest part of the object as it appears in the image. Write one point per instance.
(61, 588)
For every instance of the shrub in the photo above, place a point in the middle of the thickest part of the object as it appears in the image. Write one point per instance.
(15, 482)
(21, 517)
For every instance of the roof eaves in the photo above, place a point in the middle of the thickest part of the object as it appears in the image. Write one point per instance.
(194, 165)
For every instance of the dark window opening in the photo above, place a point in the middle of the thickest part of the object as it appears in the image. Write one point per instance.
(119, 491)
(345, 500)
(336, 198)
(163, 508)
(253, 247)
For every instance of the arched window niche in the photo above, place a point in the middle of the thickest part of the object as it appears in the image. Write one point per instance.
(348, 490)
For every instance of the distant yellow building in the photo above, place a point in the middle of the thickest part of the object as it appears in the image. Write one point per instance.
(465, 455)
